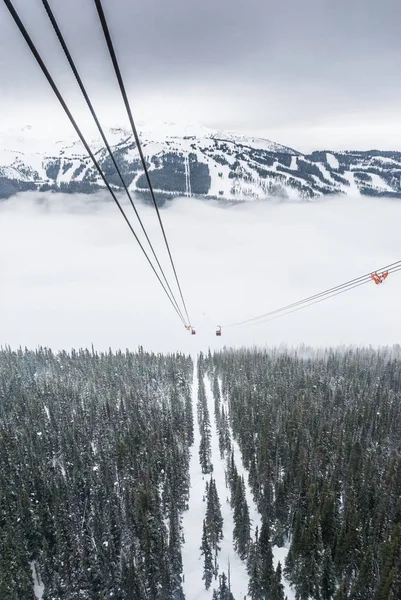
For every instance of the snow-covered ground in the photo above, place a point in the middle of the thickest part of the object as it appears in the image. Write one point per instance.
(379, 182)
(279, 555)
(38, 587)
(227, 556)
(193, 518)
(194, 587)
(332, 160)
(353, 186)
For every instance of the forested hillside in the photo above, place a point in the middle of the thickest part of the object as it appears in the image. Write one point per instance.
(95, 455)
(321, 439)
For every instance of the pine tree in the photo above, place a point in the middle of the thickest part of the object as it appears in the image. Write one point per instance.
(208, 558)
(130, 582)
(242, 524)
(232, 475)
(266, 556)
(189, 419)
(342, 592)
(277, 588)
(254, 568)
(328, 584)
(328, 518)
(311, 572)
(214, 519)
(224, 592)
(390, 584)
(281, 514)
(175, 556)
(205, 450)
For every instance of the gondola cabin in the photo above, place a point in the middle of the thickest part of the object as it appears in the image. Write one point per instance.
(218, 330)
(193, 332)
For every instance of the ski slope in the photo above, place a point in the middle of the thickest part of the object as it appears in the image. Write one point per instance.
(228, 560)
(38, 587)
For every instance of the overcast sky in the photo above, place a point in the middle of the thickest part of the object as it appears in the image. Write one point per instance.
(316, 73)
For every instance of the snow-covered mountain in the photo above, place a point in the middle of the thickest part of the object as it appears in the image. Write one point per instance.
(194, 161)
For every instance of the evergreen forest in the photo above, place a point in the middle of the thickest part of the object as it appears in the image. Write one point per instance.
(95, 477)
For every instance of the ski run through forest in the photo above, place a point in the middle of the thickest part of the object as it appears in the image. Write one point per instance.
(239, 475)
(227, 559)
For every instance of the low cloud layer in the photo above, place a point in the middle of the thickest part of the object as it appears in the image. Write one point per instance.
(72, 275)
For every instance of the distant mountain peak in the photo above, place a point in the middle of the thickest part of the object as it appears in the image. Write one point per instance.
(257, 143)
(192, 160)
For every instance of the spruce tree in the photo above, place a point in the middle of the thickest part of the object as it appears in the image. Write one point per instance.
(214, 519)
(254, 569)
(206, 552)
(277, 588)
(242, 525)
(328, 583)
(224, 593)
(266, 557)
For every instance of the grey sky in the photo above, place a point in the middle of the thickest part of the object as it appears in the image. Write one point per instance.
(315, 73)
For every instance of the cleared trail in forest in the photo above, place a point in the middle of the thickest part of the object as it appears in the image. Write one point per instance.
(227, 557)
(242, 472)
(279, 554)
(228, 560)
(192, 522)
(193, 585)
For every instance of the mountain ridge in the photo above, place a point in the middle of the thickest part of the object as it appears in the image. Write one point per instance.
(192, 160)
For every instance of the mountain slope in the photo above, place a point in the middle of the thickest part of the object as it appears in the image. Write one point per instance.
(195, 161)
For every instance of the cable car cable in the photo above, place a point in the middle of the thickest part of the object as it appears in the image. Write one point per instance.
(366, 276)
(101, 131)
(324, 293)
(113, 56)
(319, 300)
(273, 316)
(60, 98)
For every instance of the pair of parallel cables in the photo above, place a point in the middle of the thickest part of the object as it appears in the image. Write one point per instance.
(319, 297)
(166, 286)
